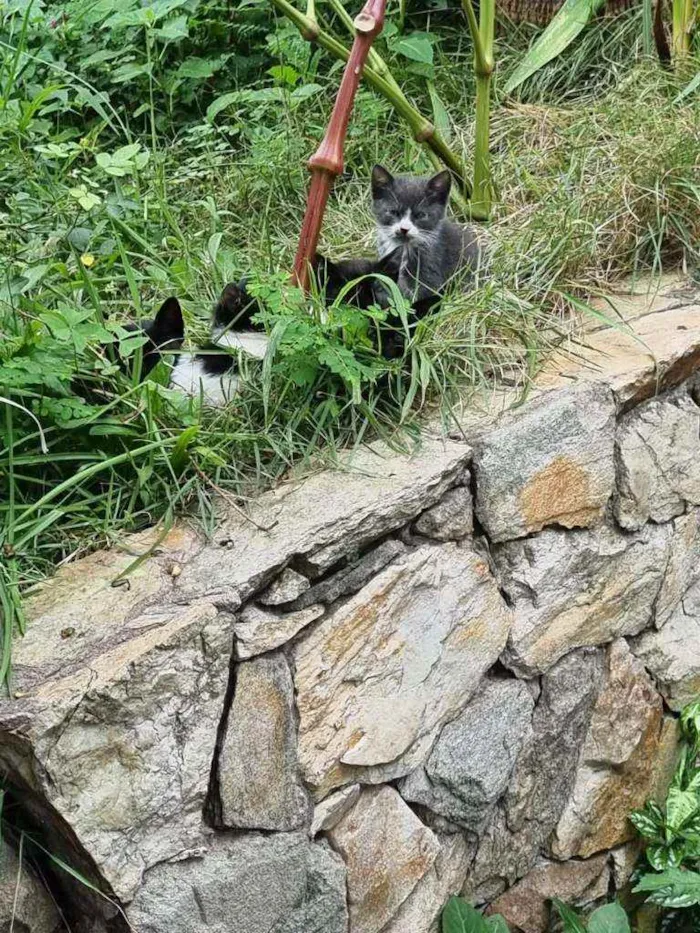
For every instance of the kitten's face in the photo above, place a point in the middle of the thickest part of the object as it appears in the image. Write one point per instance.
(408, 210)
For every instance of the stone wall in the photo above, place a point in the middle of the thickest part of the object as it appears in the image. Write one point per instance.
(452, 672)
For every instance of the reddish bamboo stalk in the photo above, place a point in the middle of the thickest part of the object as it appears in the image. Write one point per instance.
(327, 163)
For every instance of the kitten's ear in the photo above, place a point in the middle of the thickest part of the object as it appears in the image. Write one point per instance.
(439, 187)
(381, 180)
(168, 323)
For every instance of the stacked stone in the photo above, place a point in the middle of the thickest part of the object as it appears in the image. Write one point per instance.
(452, 672)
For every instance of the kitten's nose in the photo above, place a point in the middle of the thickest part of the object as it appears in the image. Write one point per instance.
(403, 230)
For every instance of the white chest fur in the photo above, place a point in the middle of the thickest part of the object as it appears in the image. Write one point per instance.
(214, 389)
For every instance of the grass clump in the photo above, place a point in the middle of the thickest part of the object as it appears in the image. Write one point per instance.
(117, 189)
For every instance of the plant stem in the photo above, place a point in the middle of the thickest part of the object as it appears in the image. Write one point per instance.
(423, 130)
(482, 37)
(682, 20)
(327, 162)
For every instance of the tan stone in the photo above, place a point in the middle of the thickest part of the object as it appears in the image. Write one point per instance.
(582, 588)
(421, 910)
(657, 351)
(525, 906)
(672, 654)
(682, 568)
(120, 745)
(25, 904)
(386, 850)
(657, 448)
(258, 779)
(323, 518)
(258, 630)
(551, 463)
(378, 676)
(616, 773)
(333, 808)
(79, 613)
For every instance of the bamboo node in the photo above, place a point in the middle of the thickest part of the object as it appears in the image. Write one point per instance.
(365, 23)
(425, 132)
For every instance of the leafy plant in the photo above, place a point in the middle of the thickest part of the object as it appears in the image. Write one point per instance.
(460, 917)
(673, 831)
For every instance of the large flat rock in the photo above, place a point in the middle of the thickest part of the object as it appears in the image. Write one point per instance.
(657, 448)
(280, 883)
(119, 745)
(322, 519)
(387, 851)
(572, 589)
(378, 676)
(548, 464)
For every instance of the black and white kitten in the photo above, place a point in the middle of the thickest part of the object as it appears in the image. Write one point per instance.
(214, 375)
(410, 214)
(165, 333)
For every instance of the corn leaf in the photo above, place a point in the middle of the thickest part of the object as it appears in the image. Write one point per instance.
(571, 19)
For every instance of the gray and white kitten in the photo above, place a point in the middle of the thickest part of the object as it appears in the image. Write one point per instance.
(410, 214)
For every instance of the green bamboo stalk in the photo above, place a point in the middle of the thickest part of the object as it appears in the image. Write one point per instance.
(423, 130)
(682, 20)
(482, 37)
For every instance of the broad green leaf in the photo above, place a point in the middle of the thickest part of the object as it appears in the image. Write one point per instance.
(199, 67)
(572, 921)
(571, 19)
(284, 74)
(671, 888)
(262, 95)
(128, 72)
(690, 714)
(305, 91)
(610, 918)
(681, 806)
(175, 28)
(416, 47)
(460, 917)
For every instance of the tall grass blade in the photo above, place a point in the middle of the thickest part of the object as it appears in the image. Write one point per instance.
(569, 22)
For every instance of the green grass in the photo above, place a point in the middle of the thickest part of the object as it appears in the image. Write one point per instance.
(596, 172)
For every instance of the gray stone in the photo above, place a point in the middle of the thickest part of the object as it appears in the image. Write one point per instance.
(470, 765)
(353, 577)
(322, 519)
(378, 676)
(617, 771)
(421, 910)
(246, 883)
(25, 904)
(258, 774)
(333, 808)
(387, 850)
(672, 655)
(682, 567)
(623, 860)
(657, 451)
(119, 745)
(543, 778)
(285, 589)
(525, 906)
(548, 464)
(449, 520)
(575, 589)
(258, 630)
